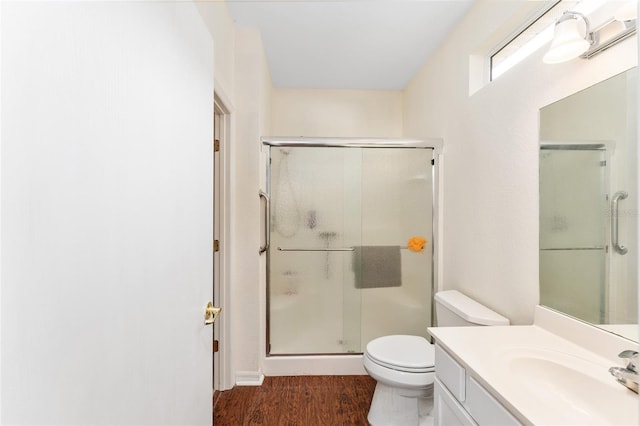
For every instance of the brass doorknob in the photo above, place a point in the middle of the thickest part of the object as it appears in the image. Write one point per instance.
(211, 314)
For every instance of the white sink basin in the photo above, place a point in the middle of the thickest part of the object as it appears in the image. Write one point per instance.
(562, 383)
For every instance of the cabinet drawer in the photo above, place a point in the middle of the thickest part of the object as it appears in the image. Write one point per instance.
(450, 373)
(448, 411)
(484, 408)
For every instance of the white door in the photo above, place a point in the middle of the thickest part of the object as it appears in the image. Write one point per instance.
(106, 207)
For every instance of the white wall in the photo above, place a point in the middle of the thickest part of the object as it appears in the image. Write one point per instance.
(251, 95)
(339, 113)
(107, 113)
(220, 25)
(491, 154)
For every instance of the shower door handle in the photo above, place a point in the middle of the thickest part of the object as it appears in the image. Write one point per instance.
(267, 222)
(620, 195)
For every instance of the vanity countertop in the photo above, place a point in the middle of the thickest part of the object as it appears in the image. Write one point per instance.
(544, 377)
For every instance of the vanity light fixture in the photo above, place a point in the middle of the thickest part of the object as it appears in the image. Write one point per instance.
(573, 37)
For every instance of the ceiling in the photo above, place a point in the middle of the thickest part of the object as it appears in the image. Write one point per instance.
(351, 44)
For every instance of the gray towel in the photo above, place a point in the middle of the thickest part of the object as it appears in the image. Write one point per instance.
(377, 266)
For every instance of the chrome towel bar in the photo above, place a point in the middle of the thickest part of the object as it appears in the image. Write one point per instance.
(315, 249)
(322, 249)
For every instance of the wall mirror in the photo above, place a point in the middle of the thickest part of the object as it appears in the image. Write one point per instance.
(589, 205)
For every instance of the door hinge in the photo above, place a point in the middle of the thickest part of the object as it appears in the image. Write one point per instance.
(216, 145)
(216, 245)
(215, 346)
(433, 162)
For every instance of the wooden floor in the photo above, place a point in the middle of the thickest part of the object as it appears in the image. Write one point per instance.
(297, 401)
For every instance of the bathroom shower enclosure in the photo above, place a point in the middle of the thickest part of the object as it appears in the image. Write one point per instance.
(345, 220)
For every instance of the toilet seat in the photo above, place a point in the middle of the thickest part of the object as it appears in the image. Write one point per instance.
(410, 354)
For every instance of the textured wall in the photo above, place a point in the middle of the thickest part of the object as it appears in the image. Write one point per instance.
(348, 113)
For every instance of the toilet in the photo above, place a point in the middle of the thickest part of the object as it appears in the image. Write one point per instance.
(404, 365)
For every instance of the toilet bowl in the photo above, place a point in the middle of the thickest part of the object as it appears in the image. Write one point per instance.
(406, 362)
(404, 366)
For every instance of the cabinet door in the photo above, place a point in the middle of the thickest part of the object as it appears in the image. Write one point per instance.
(485, 409)
(451, 373)
(448, 412)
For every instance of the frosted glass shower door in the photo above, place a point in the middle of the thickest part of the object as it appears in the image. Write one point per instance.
(397, 189)
(315, 223)
(340, 272)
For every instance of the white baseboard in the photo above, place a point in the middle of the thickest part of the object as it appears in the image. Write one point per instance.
(316, 365)
(249, 378)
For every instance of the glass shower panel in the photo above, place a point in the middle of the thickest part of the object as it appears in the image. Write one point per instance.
(397, 205)
(573, 209)
(315, 218)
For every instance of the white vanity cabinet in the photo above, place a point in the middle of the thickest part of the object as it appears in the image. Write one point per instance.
(460, 400)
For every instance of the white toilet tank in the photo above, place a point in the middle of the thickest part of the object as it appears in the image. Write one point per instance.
(454, 309)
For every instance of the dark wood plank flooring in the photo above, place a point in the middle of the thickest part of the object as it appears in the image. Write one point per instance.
(297, 401)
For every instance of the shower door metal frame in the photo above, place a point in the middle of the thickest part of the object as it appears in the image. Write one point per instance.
(435, 144)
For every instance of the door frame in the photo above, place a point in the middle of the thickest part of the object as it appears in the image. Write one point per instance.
(223, 362)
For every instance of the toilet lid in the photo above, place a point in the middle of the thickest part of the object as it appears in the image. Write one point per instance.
(400, 352)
